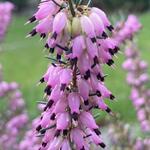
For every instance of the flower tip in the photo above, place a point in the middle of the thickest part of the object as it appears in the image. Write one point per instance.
(113, 67)
(110, 28)
(44, 96)
(38, 83)
(113, 114)
(40, 135)
(27, 23)
(29, 35)
(44, 50)
(97, 131)
(102, 145)
(116, 56)
(120, 52)
(112, 97)
(40, 39)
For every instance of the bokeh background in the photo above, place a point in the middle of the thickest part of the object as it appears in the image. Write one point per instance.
(23, 59)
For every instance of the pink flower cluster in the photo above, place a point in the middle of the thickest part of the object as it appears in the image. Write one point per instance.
(14, 118)
(5, 17)
(78, 37)
(126, 30)
(137, 70)
(9, 139)
(142, 144)
(29, 140)
(137, 78)
(122, 136)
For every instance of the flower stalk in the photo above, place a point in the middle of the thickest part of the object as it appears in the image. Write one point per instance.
(72, 35)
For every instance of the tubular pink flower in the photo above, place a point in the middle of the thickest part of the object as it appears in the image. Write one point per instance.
(45, 120)
(97, 140)
(60, 106)
(101, 105)
(63, 121)
(65, 145)
(103, 17)
(56, 143)
(84, 90)
(44, 26)
(65, 78)
(92, 50)
(77, 138)
(59, 23)
(98, 24)
(88, 27)
(105, 92)
(74, 104)
(87, 119)
(78, 46)
(84, 65)
(45, 9)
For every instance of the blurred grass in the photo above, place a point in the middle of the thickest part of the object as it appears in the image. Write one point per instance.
(23, 61)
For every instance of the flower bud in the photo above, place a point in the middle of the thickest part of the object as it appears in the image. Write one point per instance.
(76, 26)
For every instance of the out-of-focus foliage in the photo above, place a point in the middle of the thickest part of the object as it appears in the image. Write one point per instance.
(127, 5)
(111, 5)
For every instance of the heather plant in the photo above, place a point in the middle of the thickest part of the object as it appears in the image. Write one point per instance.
(5, 17)
(14, 117)
(126, 30)
(78, 39)
(122, 137)
(138, 78)
(142, 144)
(29, 139)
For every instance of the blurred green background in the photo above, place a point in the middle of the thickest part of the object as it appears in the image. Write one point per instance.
(23, 59)
(128, 5)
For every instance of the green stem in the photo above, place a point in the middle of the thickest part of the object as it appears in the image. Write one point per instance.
(79, 2)
(89, 2)
(71, 5)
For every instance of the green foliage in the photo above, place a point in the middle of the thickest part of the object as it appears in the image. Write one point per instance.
(111, 5)
(130, 5)
(134, 5)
